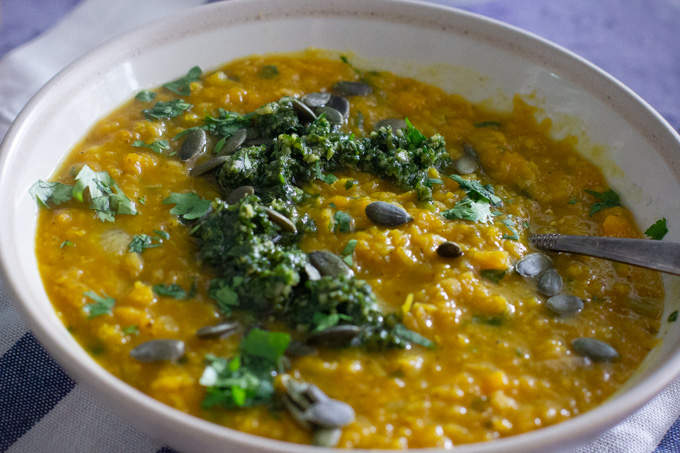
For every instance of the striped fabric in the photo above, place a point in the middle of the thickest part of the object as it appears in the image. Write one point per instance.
(41, 407)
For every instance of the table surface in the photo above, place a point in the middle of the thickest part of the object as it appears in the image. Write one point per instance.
(635, 41)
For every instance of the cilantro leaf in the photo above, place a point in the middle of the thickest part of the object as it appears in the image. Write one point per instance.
(323, 321)
(328, 178)
(166, 110)
(162, 234)
(102, 304)
(349, 184)
(348, 251)
(182, 86)
(608, 199)
(131, 330)
(265, 345)
(414, 136)
(188, 205)
(467, 209)
(673, 316)
(157, 147)
(493, 275)
(145, 96)
(66, 243)
(268, 71)
(658, 230)
(45, 192)
(343, 222)
(106, 198)
(407, 334)
(171, 290)
(140, 242)
(510, 225)
(477, 191)
(225, 296)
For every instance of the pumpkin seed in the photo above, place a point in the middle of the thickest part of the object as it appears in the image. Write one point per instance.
(330, 264)
(333, 116)
(394, 123)
(327, 437)
(595, 350)
(335, 336)
(234, 142)
(316, 99)
(158, 350)
(564, 304)
(550, 282)
(238, 193)
(312, 272)
(281, 220)
(329, 414)
(305, 114)
(349, 89)
(208, 165)
(466, 165)
(533, 265)
(449, 250)
(193, 144)
(387, 214)
(221, 330)
(340, 104)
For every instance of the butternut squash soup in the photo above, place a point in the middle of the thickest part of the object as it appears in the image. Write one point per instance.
(297, 248)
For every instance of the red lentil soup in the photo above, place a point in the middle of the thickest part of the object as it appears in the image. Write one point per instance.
(500, 362)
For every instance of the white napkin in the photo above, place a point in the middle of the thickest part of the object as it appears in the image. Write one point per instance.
(78, 423)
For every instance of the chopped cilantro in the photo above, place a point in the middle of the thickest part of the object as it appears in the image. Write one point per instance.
(608, 199)
(131, 330)
(66, 243)
(432, 181)
(268, 71)
(166, 110)
(171, 290)
(343, 222)
(348, 251)
(658, 230)
(106, 198)
(349, 184)
(54, 192)
(224, 295)
(157, 147)
(182, 86)
(328, 178)
(402, 331)
(102, 304)
(495, 321)
(142, 200)
(162, 234)
(188, 205)
(246, 379)
(476, 191)
(673, 316)
(467, 209)
(145, 96)
(510, 225)
(414, 136)
(493, 275)
(345, 60)
(572, 201)
(141, 242)
(323, 321)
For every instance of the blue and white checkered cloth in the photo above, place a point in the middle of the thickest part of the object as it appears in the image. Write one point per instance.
(43, 409)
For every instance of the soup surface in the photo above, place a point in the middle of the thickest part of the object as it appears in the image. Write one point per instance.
(483, 348)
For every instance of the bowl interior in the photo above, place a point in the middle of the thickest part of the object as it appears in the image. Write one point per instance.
(465, 54)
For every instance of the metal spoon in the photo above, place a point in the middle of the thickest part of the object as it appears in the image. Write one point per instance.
(657, 255)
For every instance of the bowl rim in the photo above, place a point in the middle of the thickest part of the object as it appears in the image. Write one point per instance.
(129, 400)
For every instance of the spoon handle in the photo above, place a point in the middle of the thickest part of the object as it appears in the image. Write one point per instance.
(657, 255)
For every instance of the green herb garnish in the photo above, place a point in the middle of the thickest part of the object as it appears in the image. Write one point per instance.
(102, 305)
(188, 205)
(182, 86)
(167, 110)
(467, 209)
(157, 146)
(145, 96)
(510, 225)
(268, 71)
(51, 192)
(476, 191)
(140, 242)
(493, 275)
(608, 199)
(343, 222)
(348, 251)
(172, 290)
(658, 230)
(131, 330)
(66, 243)
(106, 198)
(673, 316)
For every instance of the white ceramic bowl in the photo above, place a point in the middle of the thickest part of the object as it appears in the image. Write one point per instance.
(478, 58)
